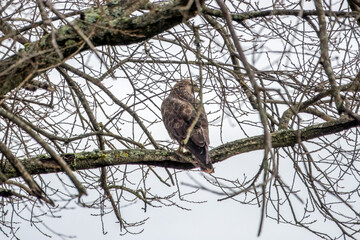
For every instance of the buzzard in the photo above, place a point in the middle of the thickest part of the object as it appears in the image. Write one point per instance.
(179, 110)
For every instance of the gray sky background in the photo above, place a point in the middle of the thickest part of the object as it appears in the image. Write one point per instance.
(212, 220)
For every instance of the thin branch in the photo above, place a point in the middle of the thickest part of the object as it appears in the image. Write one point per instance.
(46, 146)
(35, 189)
(240, 17)
(325, 59)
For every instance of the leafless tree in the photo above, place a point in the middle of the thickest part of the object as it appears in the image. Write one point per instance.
(81, 83)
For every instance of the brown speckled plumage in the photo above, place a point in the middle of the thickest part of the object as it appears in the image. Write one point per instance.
(179, 110)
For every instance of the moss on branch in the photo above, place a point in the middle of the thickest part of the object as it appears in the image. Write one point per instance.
(110, 24)
(163, 158)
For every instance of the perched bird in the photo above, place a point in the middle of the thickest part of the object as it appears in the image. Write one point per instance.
(179, 110)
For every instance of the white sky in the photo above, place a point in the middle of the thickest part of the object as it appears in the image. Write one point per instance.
(212, 220)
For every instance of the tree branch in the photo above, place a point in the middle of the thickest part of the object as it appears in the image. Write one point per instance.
(162, 158)
(240, 17)
(107, 25)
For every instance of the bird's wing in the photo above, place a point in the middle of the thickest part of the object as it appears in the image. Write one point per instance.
(200, 134)
(176, 115)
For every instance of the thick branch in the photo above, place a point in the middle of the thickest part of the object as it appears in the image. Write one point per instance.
(163, 158)
(108, 25)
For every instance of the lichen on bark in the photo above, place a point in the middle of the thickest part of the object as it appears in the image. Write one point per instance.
(110, 24)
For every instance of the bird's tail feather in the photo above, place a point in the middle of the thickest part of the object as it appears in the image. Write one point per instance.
(202, 154)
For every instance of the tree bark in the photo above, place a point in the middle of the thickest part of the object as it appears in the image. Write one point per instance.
(110, 24)
(163, 158)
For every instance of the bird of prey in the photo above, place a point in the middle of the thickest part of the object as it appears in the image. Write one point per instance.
(179, 110)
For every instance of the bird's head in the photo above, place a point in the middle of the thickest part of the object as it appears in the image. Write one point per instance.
(186, 85)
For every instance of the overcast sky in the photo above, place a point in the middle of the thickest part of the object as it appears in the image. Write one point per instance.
(212, 220)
